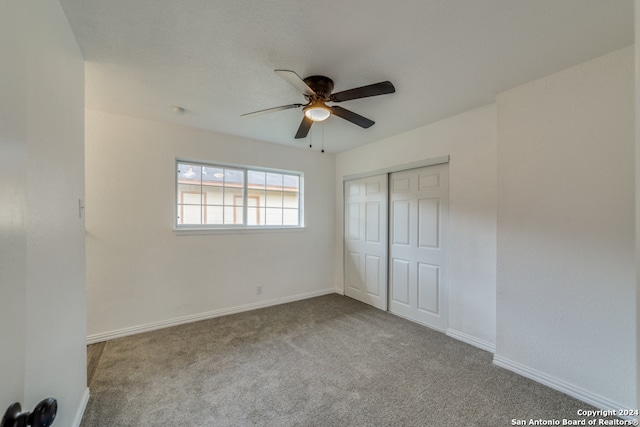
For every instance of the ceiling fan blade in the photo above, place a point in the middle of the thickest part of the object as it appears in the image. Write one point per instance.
(354, 118)
(375, 89)
(303, 130)
(296, 81)
(270, 110)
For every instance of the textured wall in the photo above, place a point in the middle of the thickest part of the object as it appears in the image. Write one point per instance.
(139, 272)
(566, 268)
(470, 140)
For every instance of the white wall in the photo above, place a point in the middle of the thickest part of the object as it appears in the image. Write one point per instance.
(13, 240)
(42, 302)
(566, 268)
(470, 140)
(141, 275)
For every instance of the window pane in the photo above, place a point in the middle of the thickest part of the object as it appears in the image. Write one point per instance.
(190, 198)
(274, 181)
(290, 217)
(274, 199)
(290, 200)
(232, 215)
(291, 182)
(233, 196)
(212, 176)
(189, 214)
(256, 179)
(212, 195)
(212, 214)
(189, 173)
(255, 216)
(234, 177)
(274, 216)
(189, 194)
(255, 197)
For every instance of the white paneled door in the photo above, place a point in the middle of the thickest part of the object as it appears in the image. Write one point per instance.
(418, 225)
(365, 240)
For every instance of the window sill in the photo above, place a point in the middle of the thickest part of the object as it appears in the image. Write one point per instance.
(234, 230)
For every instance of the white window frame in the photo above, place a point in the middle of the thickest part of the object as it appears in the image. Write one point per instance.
(233, 228)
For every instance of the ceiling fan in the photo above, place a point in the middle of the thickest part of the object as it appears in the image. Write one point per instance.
(317, 91)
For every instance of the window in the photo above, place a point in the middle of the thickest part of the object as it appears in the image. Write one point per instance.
(220, 196)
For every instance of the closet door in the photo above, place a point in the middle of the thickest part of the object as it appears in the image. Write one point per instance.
(365, 240)
(419, 202)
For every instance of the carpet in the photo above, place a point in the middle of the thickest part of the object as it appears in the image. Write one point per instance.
(326, 361)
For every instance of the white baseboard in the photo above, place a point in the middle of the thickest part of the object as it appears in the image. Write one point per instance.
(560, 385)
(469, 339)
(119, 333)
(80, 412)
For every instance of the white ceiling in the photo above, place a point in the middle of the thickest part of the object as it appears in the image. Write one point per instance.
(215, 58)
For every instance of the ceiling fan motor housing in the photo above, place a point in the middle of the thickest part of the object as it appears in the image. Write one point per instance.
(321, 85)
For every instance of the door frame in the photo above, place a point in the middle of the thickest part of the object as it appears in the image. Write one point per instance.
(397, 168)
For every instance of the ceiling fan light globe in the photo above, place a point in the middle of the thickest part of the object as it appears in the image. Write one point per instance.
(317, 113)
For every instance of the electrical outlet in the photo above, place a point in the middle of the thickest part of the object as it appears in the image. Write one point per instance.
(259, 290)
